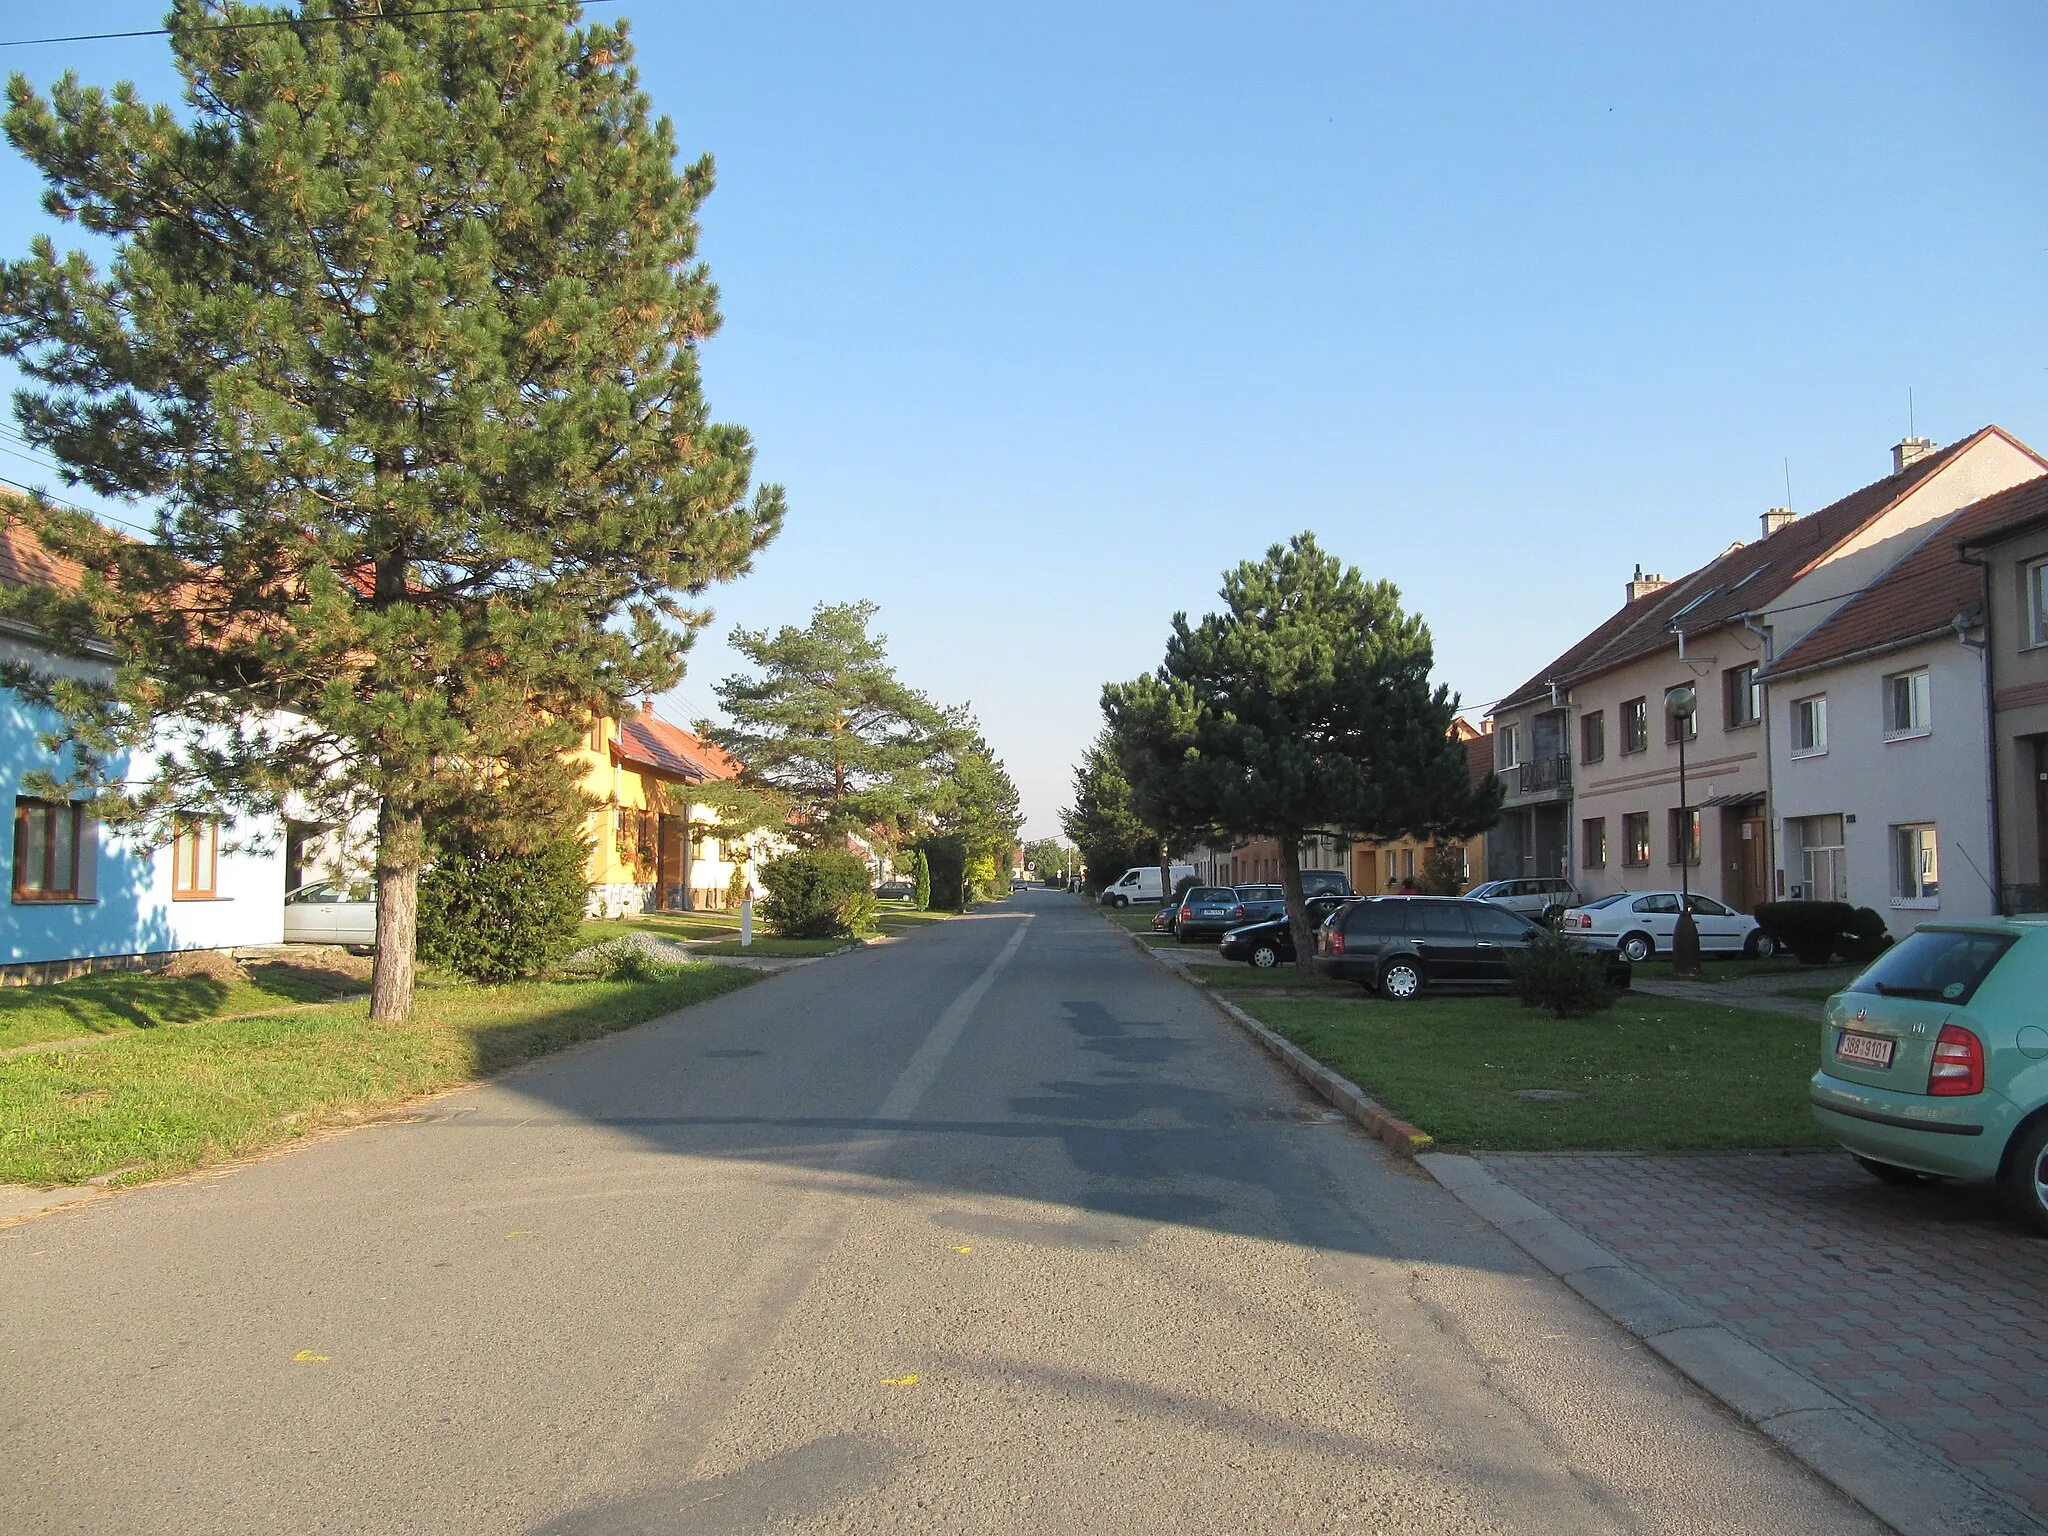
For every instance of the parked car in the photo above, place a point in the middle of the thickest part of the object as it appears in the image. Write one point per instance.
(1204, 912)
(1260, 902)
(1141, 884)
(1402, 945)
(1641, 923)
(1263, 945)
(329, 912)
(1541, 898)
(1325, 882)
(895, 890)
(1935, 1060)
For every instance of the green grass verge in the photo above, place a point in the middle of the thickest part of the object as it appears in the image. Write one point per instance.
(1807, 994)
(897, 920)
(107, 1004)
(670, 925)
(766, 946)
(162, 1101)
(1655, 1073)
(1716, 969)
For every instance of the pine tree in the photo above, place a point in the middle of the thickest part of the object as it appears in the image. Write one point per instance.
(399, 338)
(1303, 709)
(828, 726)
(1108, 833)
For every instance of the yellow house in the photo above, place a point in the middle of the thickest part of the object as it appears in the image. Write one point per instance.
(643, 856)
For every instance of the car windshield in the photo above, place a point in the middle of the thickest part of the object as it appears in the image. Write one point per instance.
(1212, 893)
(1604, 901)
(1940, 966)
(1258, 893)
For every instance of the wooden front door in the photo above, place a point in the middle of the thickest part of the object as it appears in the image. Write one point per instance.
(1752, 873)
(668, 873)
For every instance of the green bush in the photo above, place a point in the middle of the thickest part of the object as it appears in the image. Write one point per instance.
(1553, 973)
(946, 858)
(495, 915)
(921, 879)
(1817, 931)
(736, 887)
(624, 960)
(818, 894)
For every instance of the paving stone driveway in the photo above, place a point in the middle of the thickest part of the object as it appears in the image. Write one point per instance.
(1924, 1306)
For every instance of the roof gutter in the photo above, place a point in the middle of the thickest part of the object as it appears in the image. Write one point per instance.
(1886, 648)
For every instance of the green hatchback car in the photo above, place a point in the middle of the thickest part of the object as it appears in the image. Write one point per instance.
(1935, 1060)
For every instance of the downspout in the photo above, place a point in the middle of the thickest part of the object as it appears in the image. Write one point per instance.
(1763, 708)
(1983, 650)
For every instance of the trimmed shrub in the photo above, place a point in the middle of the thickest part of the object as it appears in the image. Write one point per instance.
(921, 879)
(1443, 869)
(819, 894)
(946, 857)
(736, 887)
(494, 915)
(1817, 931)
(624, 960)
(1553, 973)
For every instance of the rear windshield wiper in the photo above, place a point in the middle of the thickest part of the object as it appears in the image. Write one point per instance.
(1926, 994)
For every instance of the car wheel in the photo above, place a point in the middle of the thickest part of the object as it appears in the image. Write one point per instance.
(1637, 948)
(1551, 915)
(1760, 945)
(1401, 980)
(1265, 957)
(2026, 1174)
(1119, 901)
(1886, 1173)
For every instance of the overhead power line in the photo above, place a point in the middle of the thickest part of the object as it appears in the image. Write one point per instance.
(302, 21)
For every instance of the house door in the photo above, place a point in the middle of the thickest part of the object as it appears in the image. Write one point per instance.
(1752, 870)
(668, 871)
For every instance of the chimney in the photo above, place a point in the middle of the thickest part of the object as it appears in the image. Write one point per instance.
(1642, 586)
(1910, 450)
(1777, 518)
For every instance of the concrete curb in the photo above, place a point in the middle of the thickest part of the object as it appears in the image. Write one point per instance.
(1340, 1091)
(1910, 1490)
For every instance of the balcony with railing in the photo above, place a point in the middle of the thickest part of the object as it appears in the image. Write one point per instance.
(1545, 775)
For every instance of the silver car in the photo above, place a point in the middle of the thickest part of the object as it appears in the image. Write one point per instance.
(329, 912)
(1538, 898)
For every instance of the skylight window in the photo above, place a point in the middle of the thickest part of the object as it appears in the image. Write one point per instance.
(1752, 576)
(1688, 608)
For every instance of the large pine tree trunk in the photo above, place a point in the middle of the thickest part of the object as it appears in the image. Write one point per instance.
(400, 843)
(1297, 905)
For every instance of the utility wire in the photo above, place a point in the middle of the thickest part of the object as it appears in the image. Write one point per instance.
(303, 21)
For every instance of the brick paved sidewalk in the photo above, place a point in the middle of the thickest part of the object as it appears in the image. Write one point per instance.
(1924, 1306)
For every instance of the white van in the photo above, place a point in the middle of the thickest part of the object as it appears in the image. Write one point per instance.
(1142, 884)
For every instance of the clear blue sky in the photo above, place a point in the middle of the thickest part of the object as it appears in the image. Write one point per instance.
(1047, 314)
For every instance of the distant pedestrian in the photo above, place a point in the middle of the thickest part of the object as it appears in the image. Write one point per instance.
(1409, 887)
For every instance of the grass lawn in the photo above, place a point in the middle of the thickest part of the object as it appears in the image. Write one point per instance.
(108, 1003)
(769, 947)
(1654, 1072)
(155, 1102)
(682, 926)
(1712, 969)
(1808, 994)
(1233, 979)
(896, 920)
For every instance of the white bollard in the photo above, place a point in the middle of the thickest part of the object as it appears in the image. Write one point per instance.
(747, 918)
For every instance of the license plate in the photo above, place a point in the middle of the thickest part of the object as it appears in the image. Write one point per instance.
(1864, 1050)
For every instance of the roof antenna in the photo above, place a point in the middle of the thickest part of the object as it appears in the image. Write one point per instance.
(1788, 484)
(1910, 427)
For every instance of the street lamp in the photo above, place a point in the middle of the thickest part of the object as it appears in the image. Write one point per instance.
(1682, 705)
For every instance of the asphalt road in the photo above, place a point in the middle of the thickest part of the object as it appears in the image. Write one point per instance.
(997, 1229)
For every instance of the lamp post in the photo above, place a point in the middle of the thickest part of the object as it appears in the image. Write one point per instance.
(1682, 704)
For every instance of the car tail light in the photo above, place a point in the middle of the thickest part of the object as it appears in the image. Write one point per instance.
(1237, 914)
(1958, 1065)
(1336, 941)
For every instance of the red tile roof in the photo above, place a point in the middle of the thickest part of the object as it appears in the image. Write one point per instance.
(1742, 580)
(24, 562)
(1923, 592)
(647, 741)
(1479, 757)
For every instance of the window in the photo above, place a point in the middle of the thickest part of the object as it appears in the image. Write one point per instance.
(595, 739)
(1663, 904)
(1498, 925)
(1916, 867)
(1635, 839)
(1510, 746)
(1635, 725)
(195, 860)
(1745, 696)
(1823, 857)
(1810, 726)
(53, 851)
(1593, 842)
(1677, 725)
(1706, 906)
(1906, 705)
(1685, 836)
(2037, 602)
(1593, 737)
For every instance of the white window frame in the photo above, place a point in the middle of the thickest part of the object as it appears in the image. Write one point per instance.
(1916, 866)
(2035, 573)
(1510, 747)
(1924, 706)
(1814, 709)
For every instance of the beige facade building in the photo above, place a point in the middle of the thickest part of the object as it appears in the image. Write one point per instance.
(1590, 750)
